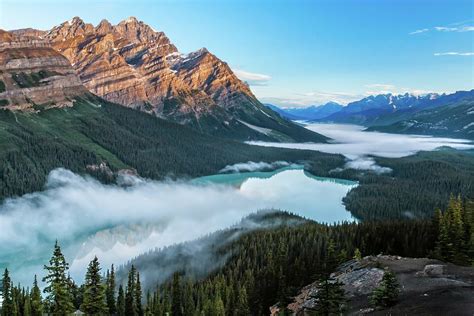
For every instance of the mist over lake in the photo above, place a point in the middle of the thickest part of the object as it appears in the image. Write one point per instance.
(353, 142)
(118, 223)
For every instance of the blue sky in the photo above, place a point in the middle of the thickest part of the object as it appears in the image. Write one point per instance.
(298, 52)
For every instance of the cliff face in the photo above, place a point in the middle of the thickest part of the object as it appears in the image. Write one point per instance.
(34, 76)
(133, 65)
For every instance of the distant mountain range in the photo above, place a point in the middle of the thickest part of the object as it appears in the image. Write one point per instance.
(314, 112)
(454, 119)
(430, 114)
(135, 66)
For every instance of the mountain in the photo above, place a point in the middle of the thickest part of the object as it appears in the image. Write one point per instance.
(454, 119)
(314, 112)
(133, 65)
(34, 76)
(375, 108)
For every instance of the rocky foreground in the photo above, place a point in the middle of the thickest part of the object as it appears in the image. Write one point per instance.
(427, 287)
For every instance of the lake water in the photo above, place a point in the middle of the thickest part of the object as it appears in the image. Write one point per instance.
(291, 189)
(117, 223)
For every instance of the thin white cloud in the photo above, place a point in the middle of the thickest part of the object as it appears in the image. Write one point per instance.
(319, 97)
(312, 98)
(383, 88)
(419, 31)
(455, 54)
(380, 86)
(253, 79)
(454, 27)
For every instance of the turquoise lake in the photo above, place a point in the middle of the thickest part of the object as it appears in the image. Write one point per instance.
(291, 189)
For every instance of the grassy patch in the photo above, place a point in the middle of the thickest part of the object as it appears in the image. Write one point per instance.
(28, 80)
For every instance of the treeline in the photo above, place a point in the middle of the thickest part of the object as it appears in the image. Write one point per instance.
(455, 228)
(417, 185)
(31, 145)
(263, 267)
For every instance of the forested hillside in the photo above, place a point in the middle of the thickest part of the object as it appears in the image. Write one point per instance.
(95, 131)
(450, 120)
(256, 267)
(415, 187)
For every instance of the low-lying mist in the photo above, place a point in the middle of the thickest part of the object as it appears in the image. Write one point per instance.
(117, 223)
(357, 145)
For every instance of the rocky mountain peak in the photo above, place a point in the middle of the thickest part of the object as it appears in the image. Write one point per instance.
(69, 29)
(132, 64)
(136, 31)
(104, 27)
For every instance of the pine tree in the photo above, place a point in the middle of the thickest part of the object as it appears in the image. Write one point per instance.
(57, 289)
(94, 302)
(357, 254)
(120, 302)
(36, 301)
(176, 305)
(188, 302)
(242, 308)
(110, 291)
(7, 299)
(138, 296)
(130, 295)
(27, 305)
(386, 294)
(330, 295)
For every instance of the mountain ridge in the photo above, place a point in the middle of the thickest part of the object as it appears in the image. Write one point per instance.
(133, 65)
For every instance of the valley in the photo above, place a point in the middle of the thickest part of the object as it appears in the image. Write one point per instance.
(258, 158)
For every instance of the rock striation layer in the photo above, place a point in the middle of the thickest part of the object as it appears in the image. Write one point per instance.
(133, 65)
(34, 76)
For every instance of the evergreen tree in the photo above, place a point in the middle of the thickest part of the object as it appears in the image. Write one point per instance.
(110, 291)
(58, 295)
(94, 302)
(36, 300)
(7, 297)
(188, 302)
(138, 296)
(130, 295)
(330, 295)
(357, 254)
(242, 308)
(176, 305)
(27, 305)
(386, 294)
(120, 302)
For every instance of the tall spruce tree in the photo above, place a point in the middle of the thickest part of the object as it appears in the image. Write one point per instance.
(131, 308)
(94, 302)
(121, 301)
(176, 296)
(138, 295)
(59, 297)
(110, 291)
(7, 294)
(36, 300)
(330, 295)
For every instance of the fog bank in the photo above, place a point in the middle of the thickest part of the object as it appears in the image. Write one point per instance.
(117, 223)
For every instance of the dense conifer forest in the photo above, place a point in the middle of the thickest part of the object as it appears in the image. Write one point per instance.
(94, 131)
(263, 267)
(415, 187)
